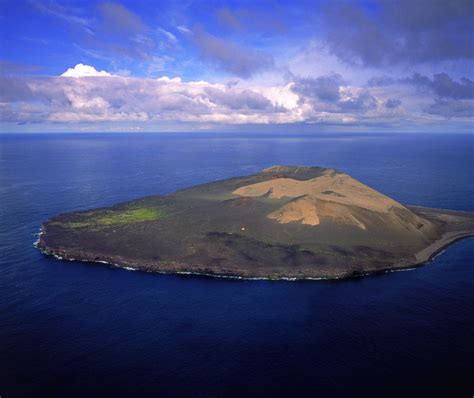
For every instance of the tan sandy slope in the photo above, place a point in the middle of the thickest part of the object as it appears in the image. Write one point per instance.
(334, 196)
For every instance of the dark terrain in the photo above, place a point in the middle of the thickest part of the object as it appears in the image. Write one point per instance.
(284, 222)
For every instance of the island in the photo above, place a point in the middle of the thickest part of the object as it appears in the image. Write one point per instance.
(285, 222)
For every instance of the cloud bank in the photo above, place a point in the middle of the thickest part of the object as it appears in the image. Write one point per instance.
(84, 94)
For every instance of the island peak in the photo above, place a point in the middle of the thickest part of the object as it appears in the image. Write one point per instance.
(293, 222)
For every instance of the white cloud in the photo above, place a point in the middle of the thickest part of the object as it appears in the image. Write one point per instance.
(170, 36)
(81, 70)
(184, 29)
(167, 79)
(74, 97)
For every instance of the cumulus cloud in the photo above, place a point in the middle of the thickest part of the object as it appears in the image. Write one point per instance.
(440, 95)
(361, 101)
(330, 94)
(81, 70)
(326, 88)
(84, 94)
(444, 86)
(242, 100)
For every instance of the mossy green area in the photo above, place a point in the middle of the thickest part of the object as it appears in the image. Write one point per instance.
(116, 217)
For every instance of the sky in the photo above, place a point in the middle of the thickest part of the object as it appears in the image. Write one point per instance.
(257, 66)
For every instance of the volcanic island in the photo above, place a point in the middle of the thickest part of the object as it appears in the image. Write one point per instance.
(285, 222)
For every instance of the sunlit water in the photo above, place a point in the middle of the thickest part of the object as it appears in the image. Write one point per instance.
(75, 329)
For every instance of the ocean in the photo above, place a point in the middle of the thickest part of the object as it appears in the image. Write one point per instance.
(71, 329)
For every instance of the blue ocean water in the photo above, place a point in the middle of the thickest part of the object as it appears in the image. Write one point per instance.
(75, 329)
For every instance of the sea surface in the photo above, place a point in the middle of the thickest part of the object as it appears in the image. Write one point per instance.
(71, 329)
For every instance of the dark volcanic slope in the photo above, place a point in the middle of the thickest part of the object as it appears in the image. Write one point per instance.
(292, 222)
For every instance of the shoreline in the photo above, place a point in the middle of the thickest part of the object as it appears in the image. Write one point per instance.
(423, 257)
(447, 239)
(233, 228)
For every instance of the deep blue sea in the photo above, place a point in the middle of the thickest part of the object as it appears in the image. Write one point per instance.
(70, 329)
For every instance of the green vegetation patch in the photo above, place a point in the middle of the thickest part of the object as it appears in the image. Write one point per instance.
(116, 217)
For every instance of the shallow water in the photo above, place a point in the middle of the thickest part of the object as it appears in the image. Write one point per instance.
(76, 329)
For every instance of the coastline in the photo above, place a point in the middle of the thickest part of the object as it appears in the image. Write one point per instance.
(423, 257)
(231, 228)
(447, 239)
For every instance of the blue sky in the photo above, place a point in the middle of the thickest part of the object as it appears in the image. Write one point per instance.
(237, 66)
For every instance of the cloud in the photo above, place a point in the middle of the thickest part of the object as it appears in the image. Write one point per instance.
(329, 93)
(228, 56)
(69, 15)
(122, 32)
(326, 88)
(14, 89)
(115, 31)
(184, 29)
(445, 96)
(359, 102)
(251, 20)
(83, 94)
(169, 36)
(400, 32)
(452, 108)
(392, 103)
(81, 70)
(245, 100)
(444, 86)
(119, 20)
(228, 19)
(380, 81)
